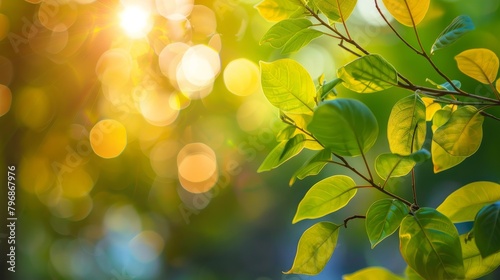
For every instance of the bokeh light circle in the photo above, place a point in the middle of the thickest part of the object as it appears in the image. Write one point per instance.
(197, 167)
(174, 8)
(156, 109)
(146, 246)
(108, 138)
(4, 26)
(241, 77)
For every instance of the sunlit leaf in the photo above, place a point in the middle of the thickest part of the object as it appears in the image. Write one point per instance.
(301, 121)
(408, 12)
(475, 265)
(463, 204)
(282, 31)
(395, 165)
(430, 244)
(441, 159)
(371, 273)
(315, 248)
(479, 64)
(346, 126)
(431, 107)
(276, 10)
(462, 134)
(312, 166)
(412, 275)
(286, 133)
(283, 152)
(498, 85)
(383, 219)
(370, 73)
(487, 229)
(457, 28)
(325, 197)
(336, 10)
(288, 86)
(300, 40)
(407, 127)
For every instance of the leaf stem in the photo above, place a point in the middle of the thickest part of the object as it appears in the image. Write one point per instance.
(352, 218)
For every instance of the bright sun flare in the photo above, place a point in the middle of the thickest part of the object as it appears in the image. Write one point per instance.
(135, 21)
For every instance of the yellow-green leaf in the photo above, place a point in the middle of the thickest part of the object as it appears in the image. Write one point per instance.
(288, 86)
(479, 64)
(283, 152)
(412, 275)
(498, 85)
(395, 165)
(282, 31)
(336, 10)
(463, 133)
(369, 73)
(475, 265)
(463, 204)
(315, 248)
(408, 12)
(407, 127)
(430, 244)
(372, 273)
(441, 159)
(325, 197)
(312, 166)
(276, 10)
(300, 40)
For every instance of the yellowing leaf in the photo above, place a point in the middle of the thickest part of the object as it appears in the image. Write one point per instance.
(276, 10)
(463, 204)
(463, 133)
(431, 107)
(367, 74)
(288, 86)
(408, 12)
(498, 85)
(479, 64)
(315, 248)
(336, 10)
(370, 273)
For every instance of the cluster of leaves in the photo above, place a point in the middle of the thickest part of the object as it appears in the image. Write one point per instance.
(341, 128)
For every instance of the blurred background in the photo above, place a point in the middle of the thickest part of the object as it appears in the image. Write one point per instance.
(136, 128)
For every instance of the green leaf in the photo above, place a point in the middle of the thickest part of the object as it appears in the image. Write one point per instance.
(283, 152)
(336, 10)
(312, 166)
(407, 126)
(369, 73)
(487, 229)
(276, 10)
(479, 64)
(328, 87)
(394, 165)
(463, 133)
(315, 248)
(286, 133)
(325, 197)
(457, 28)
(383, 219)
(463, 204)
(346, 126)
(288, 86)
(447, 86)
(475, 265)
(300, 40)
(371, 273)
(282, 31)
(430, 245)
(408, 12)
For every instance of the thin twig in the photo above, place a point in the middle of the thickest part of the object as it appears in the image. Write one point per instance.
(352, 218)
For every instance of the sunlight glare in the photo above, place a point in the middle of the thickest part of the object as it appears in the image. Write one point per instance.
(135, 21)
